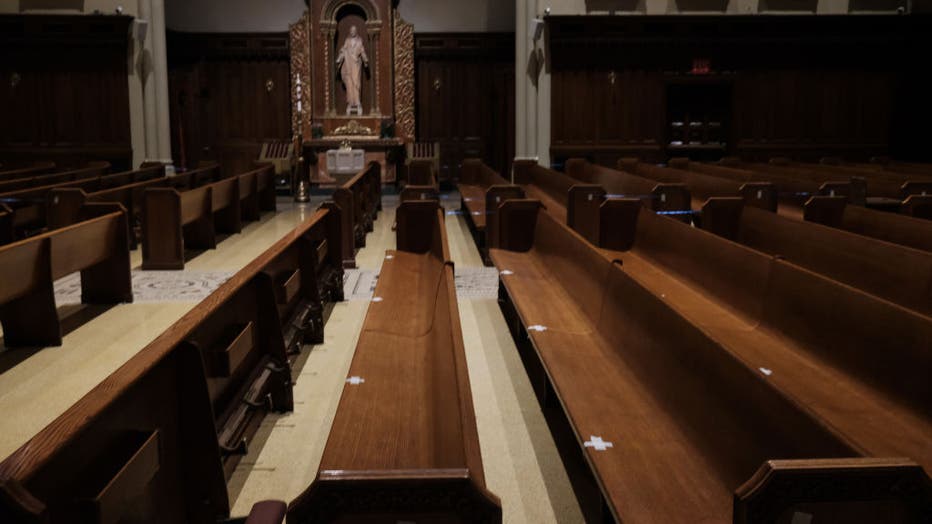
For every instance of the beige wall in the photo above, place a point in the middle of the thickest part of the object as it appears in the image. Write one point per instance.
(67, 6)
(219, 16)
(574, 7)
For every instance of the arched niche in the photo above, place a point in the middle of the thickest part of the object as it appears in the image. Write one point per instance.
(346, 16)
(336, 17)
(332, 9)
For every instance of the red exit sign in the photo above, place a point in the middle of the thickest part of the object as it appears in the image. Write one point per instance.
(701, 66)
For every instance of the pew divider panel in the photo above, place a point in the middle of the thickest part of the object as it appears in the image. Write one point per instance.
(97, 247)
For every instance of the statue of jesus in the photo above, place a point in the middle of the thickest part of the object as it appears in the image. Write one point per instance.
(351, 60)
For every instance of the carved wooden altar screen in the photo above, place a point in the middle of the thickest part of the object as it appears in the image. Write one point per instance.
(387, 84)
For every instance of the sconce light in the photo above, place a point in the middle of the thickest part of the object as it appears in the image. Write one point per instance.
(269, 85)
(437, 85)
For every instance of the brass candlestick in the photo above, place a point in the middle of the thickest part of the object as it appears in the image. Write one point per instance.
(302, 185)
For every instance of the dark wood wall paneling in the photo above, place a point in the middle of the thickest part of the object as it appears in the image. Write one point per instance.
(465, 97)
(802, 86)
(64, 92)
(221, 108)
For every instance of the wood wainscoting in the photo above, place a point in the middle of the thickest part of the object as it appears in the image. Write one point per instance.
(64, 93)
(229, 93)
(465, 85)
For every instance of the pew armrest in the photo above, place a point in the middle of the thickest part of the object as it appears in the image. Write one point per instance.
(837, 486)
(267, 512)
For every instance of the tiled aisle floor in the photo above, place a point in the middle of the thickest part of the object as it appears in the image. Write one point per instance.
(521, 463)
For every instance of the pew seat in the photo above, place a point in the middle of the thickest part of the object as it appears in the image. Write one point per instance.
(669, 423)
(818, 338)
(404, 445)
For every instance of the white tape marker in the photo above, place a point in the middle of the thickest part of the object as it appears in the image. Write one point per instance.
(537, 327)
(376, 299)
(355, 381)
(597, 443)
(766, 371)
(507, 272)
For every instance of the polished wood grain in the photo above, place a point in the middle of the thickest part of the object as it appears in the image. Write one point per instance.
(201, 424)
(97, 247)
(177, 218)
(71, 102)
(404, 444)
(360, 200)
(221, 109)
(29, 207)
(703, 186)
(889, 227)
(482, 190)
(896, 273)
(465, 98)
(586, 209)
(673, 330)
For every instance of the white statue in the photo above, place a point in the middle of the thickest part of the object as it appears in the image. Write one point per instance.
(351, 60)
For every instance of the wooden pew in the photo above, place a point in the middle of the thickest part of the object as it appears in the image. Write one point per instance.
(157, 440)
(896, 273)
(63, 203)
(97, 247)
(93, 169)
(173, 220)
(360, 199)
(550, 187)
(30, 209)
(38, 168)
(257, 191)
(818, 337)
(482, 190)
(416, 458)
(791, 190)
(898, 229)
(703, 187)
(140, 447)
(895, 184)
(669, 422)
(306, 269)
(585, 207)
(887, 164)
(421, 173)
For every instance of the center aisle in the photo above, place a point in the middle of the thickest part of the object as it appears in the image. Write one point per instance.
(521, 462)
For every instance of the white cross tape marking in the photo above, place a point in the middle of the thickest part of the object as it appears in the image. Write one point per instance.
(389, 257)
(355, 381)
(597, 443)
(508, 272)
(377, 299)
(766, 371)
(538, 328)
